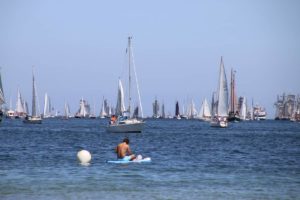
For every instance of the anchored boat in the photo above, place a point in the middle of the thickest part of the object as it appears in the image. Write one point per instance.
(123, 121)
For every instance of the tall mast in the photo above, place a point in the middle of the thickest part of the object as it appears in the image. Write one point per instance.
(2, 99)
(232, 91)
(129, 66)
(233, 97)
(34, 113)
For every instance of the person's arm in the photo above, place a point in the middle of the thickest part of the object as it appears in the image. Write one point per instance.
(116, 150)
(129, 150)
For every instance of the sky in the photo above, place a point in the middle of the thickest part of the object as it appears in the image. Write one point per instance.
(77, 48)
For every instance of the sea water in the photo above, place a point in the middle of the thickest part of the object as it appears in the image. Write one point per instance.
(190, 160)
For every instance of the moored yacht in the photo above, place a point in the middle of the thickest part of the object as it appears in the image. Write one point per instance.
(124, 121)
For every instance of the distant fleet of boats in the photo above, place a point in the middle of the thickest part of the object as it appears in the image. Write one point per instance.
(287, 107)
(224, 107)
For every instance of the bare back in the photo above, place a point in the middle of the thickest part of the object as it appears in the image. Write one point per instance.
(122, 149)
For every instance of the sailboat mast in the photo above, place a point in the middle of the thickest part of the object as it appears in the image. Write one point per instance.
(232, 91)
(2, 99)
(33, 96)
(129, 68)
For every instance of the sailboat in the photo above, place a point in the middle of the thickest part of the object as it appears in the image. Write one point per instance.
(234, 114)
(10, 113)
(47, 107)
(163, 114)
(66, 111)
(35, 117)
(177, 112)
(20, 109)
(204, 113)
(220, 118)
(93, 113)
(184, 114)
(25, 106)
(84, 109)
(243, 109)
(155, 107)
(126, 122)
(103, 113)
(120, 107)
(192, 112)
(2, 100)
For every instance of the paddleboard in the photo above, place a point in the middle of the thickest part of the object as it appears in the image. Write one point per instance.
(144, 160)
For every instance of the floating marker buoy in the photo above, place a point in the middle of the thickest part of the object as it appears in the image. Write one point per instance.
(84, 156)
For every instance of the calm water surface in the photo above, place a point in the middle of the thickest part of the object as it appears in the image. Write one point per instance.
(190, 160)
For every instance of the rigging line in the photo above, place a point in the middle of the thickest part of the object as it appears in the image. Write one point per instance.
(137, 84)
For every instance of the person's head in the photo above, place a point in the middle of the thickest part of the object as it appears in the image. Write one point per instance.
(126, 140)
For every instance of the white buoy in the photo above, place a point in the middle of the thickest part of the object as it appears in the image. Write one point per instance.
(84, 156)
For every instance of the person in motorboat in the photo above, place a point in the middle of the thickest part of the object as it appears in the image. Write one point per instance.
(123, 151)
(113, 119)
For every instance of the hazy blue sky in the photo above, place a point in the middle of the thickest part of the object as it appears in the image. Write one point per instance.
(78, 48)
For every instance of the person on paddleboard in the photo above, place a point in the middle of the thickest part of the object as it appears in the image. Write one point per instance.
(123, 151)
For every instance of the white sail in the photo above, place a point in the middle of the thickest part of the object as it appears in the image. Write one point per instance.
(192, 112)
(67, 111)
(20, 104)
(120, 107)
(25, 106)
(47, 106)
(204, 110)
(35, 106)
(137, 87)
(243, 112)
(84, 109)
(201, 111)
(163, 114)
(214, 104)
(103, 113)
(35, 117)
(222, 109)
(110, 111)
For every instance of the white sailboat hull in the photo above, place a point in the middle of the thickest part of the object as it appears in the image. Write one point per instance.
(33, 120)
(126, 126)
(220, 123)
(205, 119)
